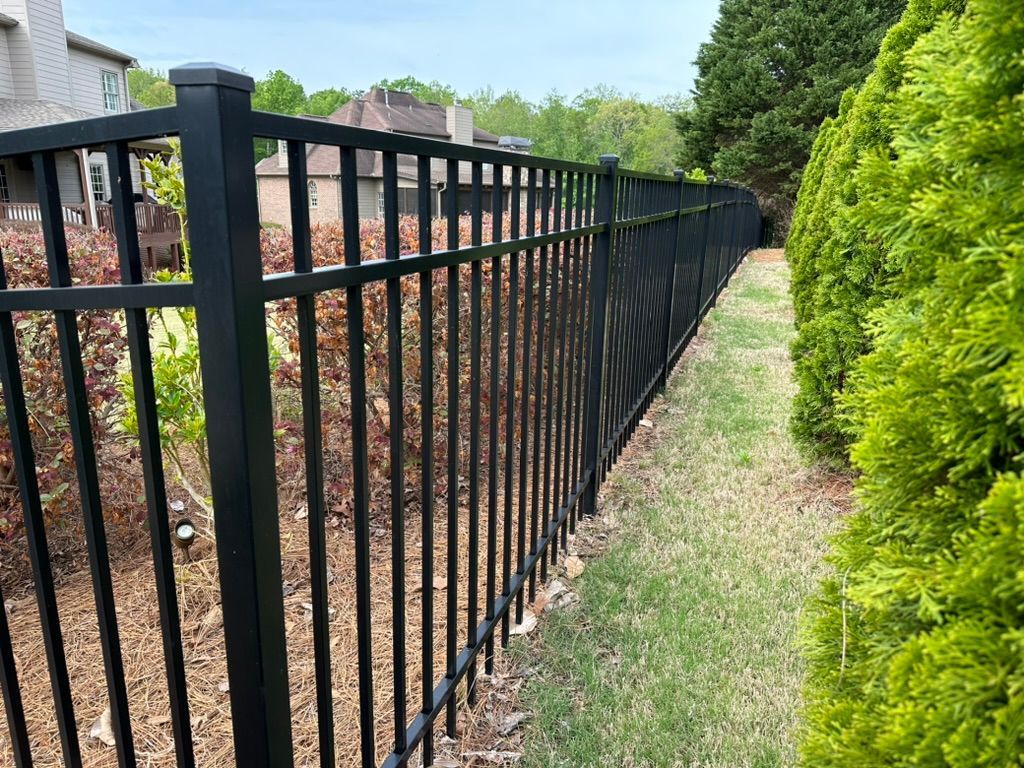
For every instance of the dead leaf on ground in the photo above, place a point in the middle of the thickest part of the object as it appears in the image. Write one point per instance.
(540, 602)
(103, 730)
(512, 722)
(574, 567)
(646, 423)
(495, 756)
(528, 624)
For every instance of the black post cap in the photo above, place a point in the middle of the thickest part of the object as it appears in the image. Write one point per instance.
(609, 159)
(210, 73)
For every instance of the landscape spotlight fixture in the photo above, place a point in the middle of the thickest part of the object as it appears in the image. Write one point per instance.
(184, 534)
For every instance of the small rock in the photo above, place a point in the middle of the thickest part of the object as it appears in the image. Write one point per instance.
(224, 687)
(646, 423)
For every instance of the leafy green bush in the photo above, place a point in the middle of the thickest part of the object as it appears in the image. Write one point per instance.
(838, 274)
(916, 646)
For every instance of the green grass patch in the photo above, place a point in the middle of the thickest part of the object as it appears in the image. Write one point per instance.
(682, 650)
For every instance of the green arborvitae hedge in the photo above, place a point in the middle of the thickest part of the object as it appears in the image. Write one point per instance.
(837, 272)
(916, 646)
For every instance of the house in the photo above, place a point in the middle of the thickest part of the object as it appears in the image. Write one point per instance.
(380, 110)
(49, 74)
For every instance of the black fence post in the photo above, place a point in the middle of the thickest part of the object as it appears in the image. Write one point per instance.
(705, 235)
(215, 119)
(599, 285)
(670, 301)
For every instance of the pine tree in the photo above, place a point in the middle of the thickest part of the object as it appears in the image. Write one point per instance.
(771, 73)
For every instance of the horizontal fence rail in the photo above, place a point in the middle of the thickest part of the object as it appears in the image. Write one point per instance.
(523, 342)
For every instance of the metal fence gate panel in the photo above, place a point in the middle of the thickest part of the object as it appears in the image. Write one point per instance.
(595, 280)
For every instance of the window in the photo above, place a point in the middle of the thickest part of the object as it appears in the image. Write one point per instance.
(5, 191)
(314, 195)
(380, 203)
(111, 92)
(407, 202)
(99, 182)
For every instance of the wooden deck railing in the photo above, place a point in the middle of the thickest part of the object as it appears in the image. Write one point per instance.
(152, 219)
(74, 213)
(158, 226)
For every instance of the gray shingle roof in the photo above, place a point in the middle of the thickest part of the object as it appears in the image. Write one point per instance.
(24, 113)
(82, 42)
(378, 110)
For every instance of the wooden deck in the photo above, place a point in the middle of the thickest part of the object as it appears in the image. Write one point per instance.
(158, 225)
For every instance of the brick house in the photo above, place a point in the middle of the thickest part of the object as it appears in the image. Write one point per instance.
(380, 110)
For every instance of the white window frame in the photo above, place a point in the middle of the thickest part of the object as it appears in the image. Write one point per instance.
(5, 188)
(111, 97)
(314, 194)
(98, 180)
(380, 204)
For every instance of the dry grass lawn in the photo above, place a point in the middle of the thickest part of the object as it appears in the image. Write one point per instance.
(683, 649)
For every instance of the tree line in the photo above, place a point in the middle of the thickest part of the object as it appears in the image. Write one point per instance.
(597, 121)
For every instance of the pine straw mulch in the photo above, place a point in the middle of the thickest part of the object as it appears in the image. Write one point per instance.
(202, 638)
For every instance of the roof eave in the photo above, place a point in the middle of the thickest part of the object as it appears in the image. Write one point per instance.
(83, 43)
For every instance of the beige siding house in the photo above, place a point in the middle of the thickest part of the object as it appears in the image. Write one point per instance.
(381, 110)
(49, 74)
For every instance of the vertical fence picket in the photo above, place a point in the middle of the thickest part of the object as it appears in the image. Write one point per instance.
(426, 284)
(600, 273)
(313, 449)
(140, 356)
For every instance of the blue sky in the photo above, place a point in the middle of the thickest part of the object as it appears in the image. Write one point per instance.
(533, 46)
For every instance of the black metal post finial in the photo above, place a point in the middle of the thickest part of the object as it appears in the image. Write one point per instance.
(211, 73)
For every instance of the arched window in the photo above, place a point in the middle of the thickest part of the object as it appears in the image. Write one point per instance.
(314, 197)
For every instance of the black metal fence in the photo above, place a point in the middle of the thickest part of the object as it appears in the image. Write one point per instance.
(611, 270)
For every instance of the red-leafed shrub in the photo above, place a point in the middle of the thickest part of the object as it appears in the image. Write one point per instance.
(332, 348)
(93, 259)
(105, 358)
